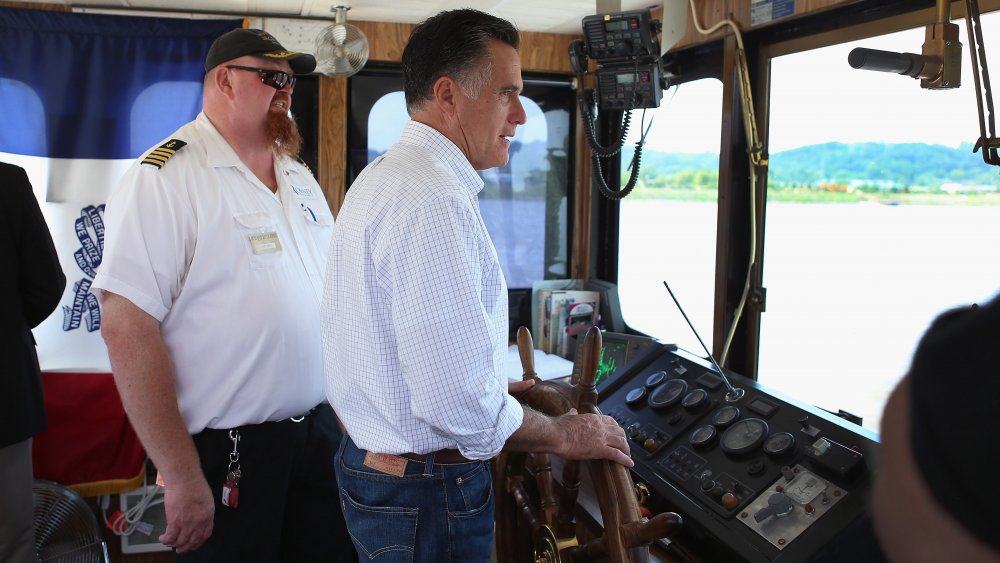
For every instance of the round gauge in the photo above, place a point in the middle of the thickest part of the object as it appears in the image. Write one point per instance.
(668, 393)
(635, 395)
(702, 436)
(655, 379)
(743, 436)
(695, 399)
(725, 416)
(779, 444)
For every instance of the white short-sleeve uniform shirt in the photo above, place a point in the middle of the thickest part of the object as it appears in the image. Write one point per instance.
(232, 271)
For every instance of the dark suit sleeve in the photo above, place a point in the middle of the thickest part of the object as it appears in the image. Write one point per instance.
(41, 277)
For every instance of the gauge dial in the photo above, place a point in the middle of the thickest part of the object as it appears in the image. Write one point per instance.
(779, 444)
(743, 436)
(702, 436)
(635, 395)
(655, 379)
(668, 393)
(695, 399)
(725, 416)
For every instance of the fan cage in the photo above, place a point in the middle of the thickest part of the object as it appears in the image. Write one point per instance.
(341, 50)
(66, 530)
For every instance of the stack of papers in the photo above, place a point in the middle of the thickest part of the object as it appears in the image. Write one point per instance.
(547, 366)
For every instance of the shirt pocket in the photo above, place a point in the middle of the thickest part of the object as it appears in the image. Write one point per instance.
(261, 242)
(314, 213)
(319, 223)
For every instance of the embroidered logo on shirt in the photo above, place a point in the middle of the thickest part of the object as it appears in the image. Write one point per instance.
(265, 243)
(302, 191)
(386, 463)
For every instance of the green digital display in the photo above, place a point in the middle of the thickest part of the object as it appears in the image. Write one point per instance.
(613, 356)
(616, 352)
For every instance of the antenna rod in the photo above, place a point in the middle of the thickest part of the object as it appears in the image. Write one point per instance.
(734, 394)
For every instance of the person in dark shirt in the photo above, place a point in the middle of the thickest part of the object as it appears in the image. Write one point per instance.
(32, 291)
(933, 498)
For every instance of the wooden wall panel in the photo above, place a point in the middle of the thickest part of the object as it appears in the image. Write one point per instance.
(33, 6)
(332, 150)
(539, 51)
(548, 52)
(385, 40)
(711, 12)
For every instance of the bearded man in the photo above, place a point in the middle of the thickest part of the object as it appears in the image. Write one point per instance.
(210, 287)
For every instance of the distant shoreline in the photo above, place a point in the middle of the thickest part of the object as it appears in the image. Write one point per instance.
(816, 195)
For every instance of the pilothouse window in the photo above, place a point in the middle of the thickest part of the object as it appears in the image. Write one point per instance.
(879, 217)
(668, 222)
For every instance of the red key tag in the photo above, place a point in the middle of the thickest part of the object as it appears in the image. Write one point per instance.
(231, 494)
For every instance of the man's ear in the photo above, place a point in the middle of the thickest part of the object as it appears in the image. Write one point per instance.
(445, 92)
(221, 80)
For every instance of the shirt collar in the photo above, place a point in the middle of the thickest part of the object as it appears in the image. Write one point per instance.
(417, 133)
(221, 154)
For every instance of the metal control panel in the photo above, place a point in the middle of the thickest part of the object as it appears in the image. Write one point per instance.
(764, 478)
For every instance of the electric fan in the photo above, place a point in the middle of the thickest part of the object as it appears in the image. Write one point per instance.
(65, 527)
(341, 49)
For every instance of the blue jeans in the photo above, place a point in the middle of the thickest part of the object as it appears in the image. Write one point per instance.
(434, 513)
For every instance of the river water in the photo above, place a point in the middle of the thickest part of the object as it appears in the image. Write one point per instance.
(850, 287)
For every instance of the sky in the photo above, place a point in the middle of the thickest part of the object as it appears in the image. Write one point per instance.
(816, 97)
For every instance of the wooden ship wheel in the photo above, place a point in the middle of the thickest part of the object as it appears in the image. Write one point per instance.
(536, 515)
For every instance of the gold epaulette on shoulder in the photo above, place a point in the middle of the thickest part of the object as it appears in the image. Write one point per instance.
(306, 166)
(158, 156)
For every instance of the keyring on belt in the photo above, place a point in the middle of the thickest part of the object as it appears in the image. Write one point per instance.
(303, 416)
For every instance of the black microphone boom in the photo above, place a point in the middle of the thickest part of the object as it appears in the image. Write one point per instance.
(910, 64)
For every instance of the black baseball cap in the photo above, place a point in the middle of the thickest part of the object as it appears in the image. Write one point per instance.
(242, 42)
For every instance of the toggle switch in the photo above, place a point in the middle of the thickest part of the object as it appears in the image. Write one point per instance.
(778, 505)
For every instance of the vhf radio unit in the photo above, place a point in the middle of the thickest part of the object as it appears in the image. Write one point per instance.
(629, 87)
(629, 73)
(620, 36)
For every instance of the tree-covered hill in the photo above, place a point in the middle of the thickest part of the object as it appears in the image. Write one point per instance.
(876, 165)
(906, 165)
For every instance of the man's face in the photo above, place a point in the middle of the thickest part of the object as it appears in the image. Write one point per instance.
(488, 122)
(272, 105)
(255, 97)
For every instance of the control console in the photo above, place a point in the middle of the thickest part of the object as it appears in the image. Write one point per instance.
(757, 477)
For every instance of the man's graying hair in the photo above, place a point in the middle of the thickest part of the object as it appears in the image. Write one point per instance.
(454, 44)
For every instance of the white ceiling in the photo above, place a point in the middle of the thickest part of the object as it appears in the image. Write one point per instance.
(553, 16)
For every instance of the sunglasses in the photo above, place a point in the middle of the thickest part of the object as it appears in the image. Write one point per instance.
(276, 79)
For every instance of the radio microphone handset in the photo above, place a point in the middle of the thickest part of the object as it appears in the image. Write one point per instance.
(733, 394)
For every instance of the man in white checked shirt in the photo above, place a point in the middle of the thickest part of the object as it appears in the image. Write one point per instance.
(415, 313)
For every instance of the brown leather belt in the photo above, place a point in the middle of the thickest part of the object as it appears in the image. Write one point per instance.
(441, 456)
(448, 457)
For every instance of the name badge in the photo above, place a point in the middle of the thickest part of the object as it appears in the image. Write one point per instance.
(265, 243)
(386, 463)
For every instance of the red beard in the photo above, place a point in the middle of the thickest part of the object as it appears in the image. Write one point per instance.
(285, 132)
